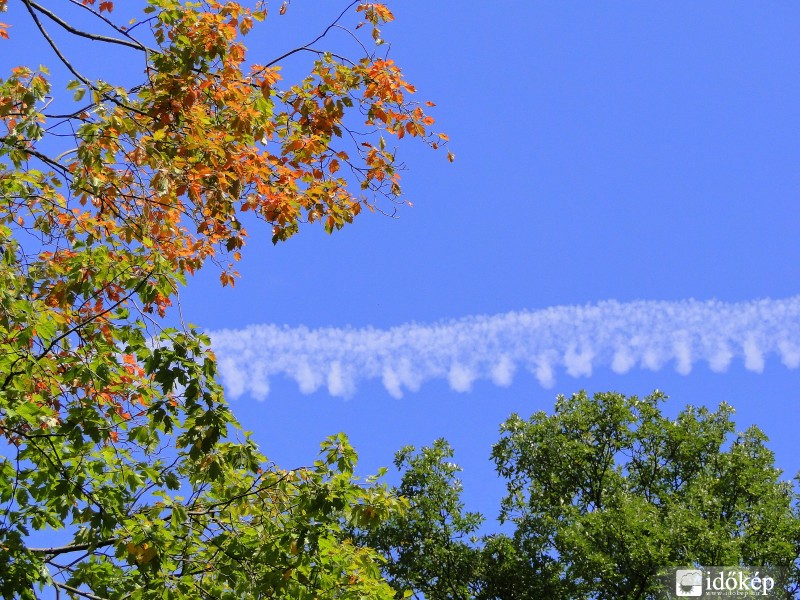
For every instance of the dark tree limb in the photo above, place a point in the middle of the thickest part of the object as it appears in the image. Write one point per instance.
(56, 550)
(85, 34)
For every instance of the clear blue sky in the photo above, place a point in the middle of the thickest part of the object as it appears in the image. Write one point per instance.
(605, 151)
(619, 150)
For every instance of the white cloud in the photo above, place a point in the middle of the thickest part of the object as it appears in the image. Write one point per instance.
(753, 356)
(543, 370)
(623, 360)
(682, 351)
(339, 382)
(720, 359)
(578, 363)
(503, 371)
(460, 378)
(790, 353)
(572, 339)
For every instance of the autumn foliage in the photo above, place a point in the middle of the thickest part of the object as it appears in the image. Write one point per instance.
(116, 432)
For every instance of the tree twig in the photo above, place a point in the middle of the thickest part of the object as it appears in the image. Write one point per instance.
(110, 23)
(53, 45)
(71, 548)
(318, 38)
(77, 592)
(85, 34)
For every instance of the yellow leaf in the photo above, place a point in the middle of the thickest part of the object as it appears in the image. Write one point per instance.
(147, 554)
(142, 553)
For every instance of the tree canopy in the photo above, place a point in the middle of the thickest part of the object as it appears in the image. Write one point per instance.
(116, 438)
(602, 495)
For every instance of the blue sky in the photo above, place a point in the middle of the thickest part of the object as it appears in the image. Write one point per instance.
(619, 151)
(610, 151)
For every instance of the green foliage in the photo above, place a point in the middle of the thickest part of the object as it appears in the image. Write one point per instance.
(428, 547)
(602, 495)
(607, 491)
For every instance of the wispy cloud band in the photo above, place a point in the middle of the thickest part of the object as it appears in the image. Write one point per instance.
(577, 339)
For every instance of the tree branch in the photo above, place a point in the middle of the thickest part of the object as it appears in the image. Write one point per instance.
(308, 47)
(85, 322)
(53, 45)
(85, 34)
(72, 548)
(110, 23)
(29, 5)
(77, 592)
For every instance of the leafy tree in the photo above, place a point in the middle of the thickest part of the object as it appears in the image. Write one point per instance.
(608, 490)
(114, 429)
(428, 547)
(602, 495)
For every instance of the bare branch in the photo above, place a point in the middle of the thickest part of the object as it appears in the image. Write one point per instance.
(72, 548)
(77, 592)
(309, 46)
(53, 45)
(29, 5)
(85, 34)
(110, 23)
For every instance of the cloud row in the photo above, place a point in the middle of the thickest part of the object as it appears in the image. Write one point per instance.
(575, 339)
